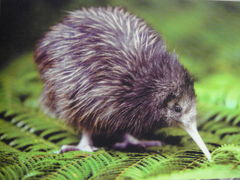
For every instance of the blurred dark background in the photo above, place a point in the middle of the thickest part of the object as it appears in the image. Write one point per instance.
(199, 31)
(23, 22)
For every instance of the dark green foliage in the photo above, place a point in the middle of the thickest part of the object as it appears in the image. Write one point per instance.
(30, 140)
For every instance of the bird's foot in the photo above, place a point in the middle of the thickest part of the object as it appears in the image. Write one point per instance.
(85, 144)
(87, 148)
(131, 143)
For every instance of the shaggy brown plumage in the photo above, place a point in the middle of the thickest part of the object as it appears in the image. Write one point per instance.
(108, 72)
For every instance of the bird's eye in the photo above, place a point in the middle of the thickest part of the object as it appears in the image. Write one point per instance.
(177, 108)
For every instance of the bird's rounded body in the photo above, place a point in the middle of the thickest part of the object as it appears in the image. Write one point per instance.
(107, 72)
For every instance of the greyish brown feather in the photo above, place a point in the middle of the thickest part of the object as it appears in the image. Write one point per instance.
(107, 71)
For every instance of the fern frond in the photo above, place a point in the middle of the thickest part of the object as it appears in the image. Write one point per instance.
(142, 167)
(214, 172)
(83, 168)
(226, 154)
(22, 140)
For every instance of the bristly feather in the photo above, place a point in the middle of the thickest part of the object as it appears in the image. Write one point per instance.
(107, 71)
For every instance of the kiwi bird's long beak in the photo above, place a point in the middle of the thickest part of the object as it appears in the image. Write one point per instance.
(193, 132)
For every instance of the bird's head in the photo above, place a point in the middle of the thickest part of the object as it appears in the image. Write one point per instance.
(181, 112)
(177, 102)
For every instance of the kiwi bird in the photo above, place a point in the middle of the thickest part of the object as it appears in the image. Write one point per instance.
(107, 73)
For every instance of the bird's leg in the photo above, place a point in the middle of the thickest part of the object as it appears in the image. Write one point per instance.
(85, 144)
(130, 141)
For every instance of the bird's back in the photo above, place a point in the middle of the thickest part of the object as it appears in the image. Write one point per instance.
(105, 32)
